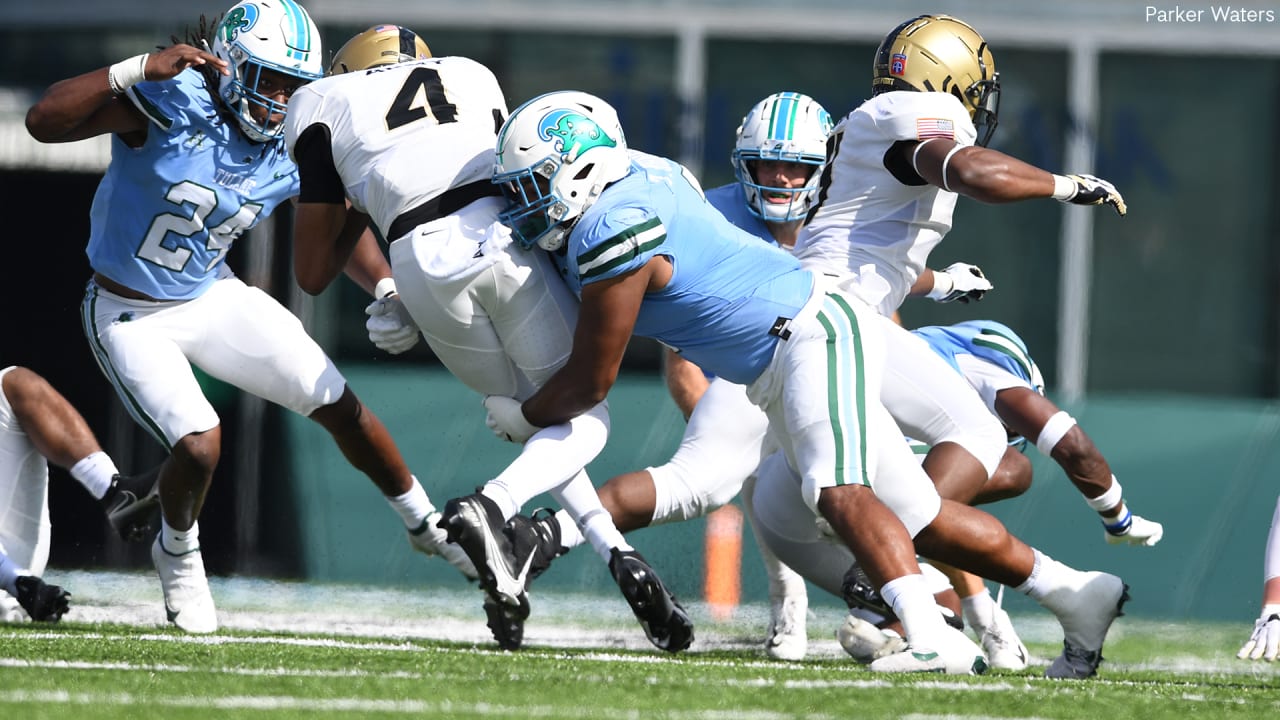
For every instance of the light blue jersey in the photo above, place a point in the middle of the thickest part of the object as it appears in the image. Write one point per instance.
(987, 340)
(731, 201)
(165, 214)
(728, 290)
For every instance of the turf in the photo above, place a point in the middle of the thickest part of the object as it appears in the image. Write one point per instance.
(302, 651)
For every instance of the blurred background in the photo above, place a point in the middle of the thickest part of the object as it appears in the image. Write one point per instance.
(1157, 331)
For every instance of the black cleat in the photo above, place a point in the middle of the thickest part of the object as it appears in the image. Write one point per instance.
(475, 524)
(538, 536)
(665, 622)
(42, 601)
(506, 622)
(859, 592)
(132, 505)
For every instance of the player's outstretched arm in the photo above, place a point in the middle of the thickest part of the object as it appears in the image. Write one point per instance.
(994, 177)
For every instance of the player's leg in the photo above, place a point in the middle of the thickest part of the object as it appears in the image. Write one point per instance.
(1085, 603)
(60, 434)
(933, 403)
(838, 447)
(787, 637)
(142, 349)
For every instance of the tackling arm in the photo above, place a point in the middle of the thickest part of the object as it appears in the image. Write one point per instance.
(607, 317)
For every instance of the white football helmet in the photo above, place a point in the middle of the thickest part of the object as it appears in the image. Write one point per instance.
(272, 34)
(785, 126)
(555, 154)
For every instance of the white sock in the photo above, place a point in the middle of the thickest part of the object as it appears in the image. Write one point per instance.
(500, 493)
(9, 574)
(1047, 576)
(94, 472)
(179, 542)
(570, 535)
(978, 609)
(413, 506)
(603, 535)
(915, 606)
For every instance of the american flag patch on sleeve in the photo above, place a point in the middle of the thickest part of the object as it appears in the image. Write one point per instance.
(935, 128)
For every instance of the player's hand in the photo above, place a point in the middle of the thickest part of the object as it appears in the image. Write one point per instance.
(968, 284)
(389, 325)
(1088, 190)
(1264, 643)
(506, 419)
(169, 62)
(1141, 531)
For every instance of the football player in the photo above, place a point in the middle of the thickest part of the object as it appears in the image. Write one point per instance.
(636, 241)
(198, 158)
(994, 360)
(1264, 641)
(38, 426)
(497, 315)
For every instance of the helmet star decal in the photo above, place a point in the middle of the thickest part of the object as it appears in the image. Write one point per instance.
(573, 133)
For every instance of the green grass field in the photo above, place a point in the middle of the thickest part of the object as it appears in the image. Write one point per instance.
(290, 650)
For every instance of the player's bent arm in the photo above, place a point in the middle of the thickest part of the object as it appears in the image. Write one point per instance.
(324, 242)
(605, 321)
(368, 264)
(1029, 414)
(88, 105)
(685, 381)
(980, 173)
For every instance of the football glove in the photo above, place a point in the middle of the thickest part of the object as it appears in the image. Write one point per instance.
(506, 419)
(1088, 190)
(968, 284)
(1138, 531)
(1264, 643)
(389, 325)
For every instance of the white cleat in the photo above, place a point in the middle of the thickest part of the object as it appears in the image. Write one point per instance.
(788, 638)
(429, 539)
(1086, 613)
(187, 601)
(952, 653)
(867, 643)
(1000, 642)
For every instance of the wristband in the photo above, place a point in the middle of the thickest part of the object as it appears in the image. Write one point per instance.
(1064, 188)
(1120, 526)
(1108, 499)
(127, 73)
(941, 290)
(386, 286)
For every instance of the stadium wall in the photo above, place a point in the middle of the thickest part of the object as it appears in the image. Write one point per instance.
(1204, 468)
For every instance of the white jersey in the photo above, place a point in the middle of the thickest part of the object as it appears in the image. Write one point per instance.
(868, 216)
(390, 161)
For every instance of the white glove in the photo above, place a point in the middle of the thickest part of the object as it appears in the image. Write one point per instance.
(389, 325)
(959, 281)
(1141, 531)
(506, 419)
(1087, 190)
(1265, 640)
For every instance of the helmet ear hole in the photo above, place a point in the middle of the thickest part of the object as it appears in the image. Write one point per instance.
(584, 172)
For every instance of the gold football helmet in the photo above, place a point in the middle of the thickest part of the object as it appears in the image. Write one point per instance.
(938, 53)
(379, 45)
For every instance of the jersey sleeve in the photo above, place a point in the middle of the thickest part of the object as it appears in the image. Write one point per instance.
(167, 103)
(921, 116)
(615, 243)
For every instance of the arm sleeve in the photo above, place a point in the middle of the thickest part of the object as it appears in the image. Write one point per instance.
(320, 182)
